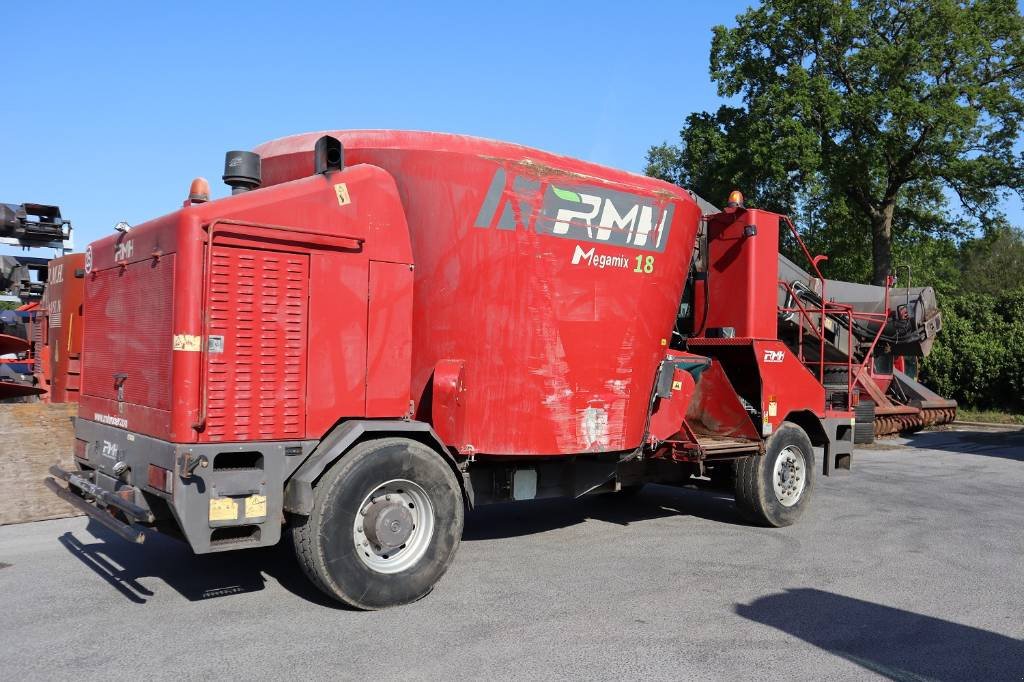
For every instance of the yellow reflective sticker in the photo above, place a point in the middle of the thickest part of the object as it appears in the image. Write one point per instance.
(223, 509)
(255, 505)
(341, 189)
(677, 385)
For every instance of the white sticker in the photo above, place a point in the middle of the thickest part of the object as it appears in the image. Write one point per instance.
(341, 189)
(188, 343)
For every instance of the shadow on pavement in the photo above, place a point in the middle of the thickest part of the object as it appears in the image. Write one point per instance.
(208, 576)
(516, 519)
(195, 577)
(896, 644)
(1003, 444)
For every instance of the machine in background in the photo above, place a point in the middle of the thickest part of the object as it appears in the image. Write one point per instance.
(40, 340)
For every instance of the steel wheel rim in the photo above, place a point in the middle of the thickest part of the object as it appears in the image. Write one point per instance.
(789, 476)
(400, 501)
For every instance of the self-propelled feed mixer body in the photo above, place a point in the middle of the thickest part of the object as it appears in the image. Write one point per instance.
(381, 329)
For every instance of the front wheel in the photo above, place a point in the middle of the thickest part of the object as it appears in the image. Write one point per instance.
(386, 521)
(774, 489)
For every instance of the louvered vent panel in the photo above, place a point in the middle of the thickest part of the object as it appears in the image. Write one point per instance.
(258, 303)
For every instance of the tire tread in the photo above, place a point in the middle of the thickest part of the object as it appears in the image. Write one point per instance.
(306, 531)
(755, 497)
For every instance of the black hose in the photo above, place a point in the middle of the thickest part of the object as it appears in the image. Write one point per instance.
(858, 329)
(707, 304)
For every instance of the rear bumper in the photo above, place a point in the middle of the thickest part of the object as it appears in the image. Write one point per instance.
(217, 496)
(83, 494)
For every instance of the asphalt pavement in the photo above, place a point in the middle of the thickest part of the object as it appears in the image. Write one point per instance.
(909, 568)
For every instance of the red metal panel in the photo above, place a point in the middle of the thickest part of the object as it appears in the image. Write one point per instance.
(63, 302)
(786, 382)
(307, 216)
(670, 412)
(448, 405)
(137, 418)
(130, 294)
(336, 386)
(716, 409)
(743, 271)
(257, 305)
(129, 333)
(389, 339)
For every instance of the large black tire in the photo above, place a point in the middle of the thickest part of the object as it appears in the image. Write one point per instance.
(864, 424)
(756, 492)
(325, 541)
(722, 475)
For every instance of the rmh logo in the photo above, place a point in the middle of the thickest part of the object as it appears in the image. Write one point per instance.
(601, 219)
(123, 251)
(586, 213)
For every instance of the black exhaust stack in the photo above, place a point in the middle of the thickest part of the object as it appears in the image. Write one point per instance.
(242, 171)
(328, 155)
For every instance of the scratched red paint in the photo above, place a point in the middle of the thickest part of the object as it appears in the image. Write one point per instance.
(558, 357)
(525, 297)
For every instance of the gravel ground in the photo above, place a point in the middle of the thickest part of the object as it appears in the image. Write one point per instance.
(907, 569)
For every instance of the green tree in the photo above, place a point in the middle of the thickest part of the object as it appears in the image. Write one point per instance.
(862, 116)
(994, 262)
(979, 356)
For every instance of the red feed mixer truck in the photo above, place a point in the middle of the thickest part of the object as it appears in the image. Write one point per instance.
(381, 329)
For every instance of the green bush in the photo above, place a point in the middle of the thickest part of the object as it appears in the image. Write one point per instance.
(978, 358)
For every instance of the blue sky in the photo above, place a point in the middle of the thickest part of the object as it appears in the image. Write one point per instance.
(109, 110)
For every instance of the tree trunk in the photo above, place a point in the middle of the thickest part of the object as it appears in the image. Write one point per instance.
(881, 244)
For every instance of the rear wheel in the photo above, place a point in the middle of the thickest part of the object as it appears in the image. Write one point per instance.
(386, 521)
(774, 489)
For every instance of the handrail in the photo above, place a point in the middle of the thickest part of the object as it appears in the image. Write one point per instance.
(831, 308)
(836, 309)
(821, 278)
(881, 328)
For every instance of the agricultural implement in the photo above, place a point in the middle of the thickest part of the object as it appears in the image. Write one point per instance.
(378, 330)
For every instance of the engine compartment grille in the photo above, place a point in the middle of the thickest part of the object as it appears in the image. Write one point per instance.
(256, 368)
(129, 333)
